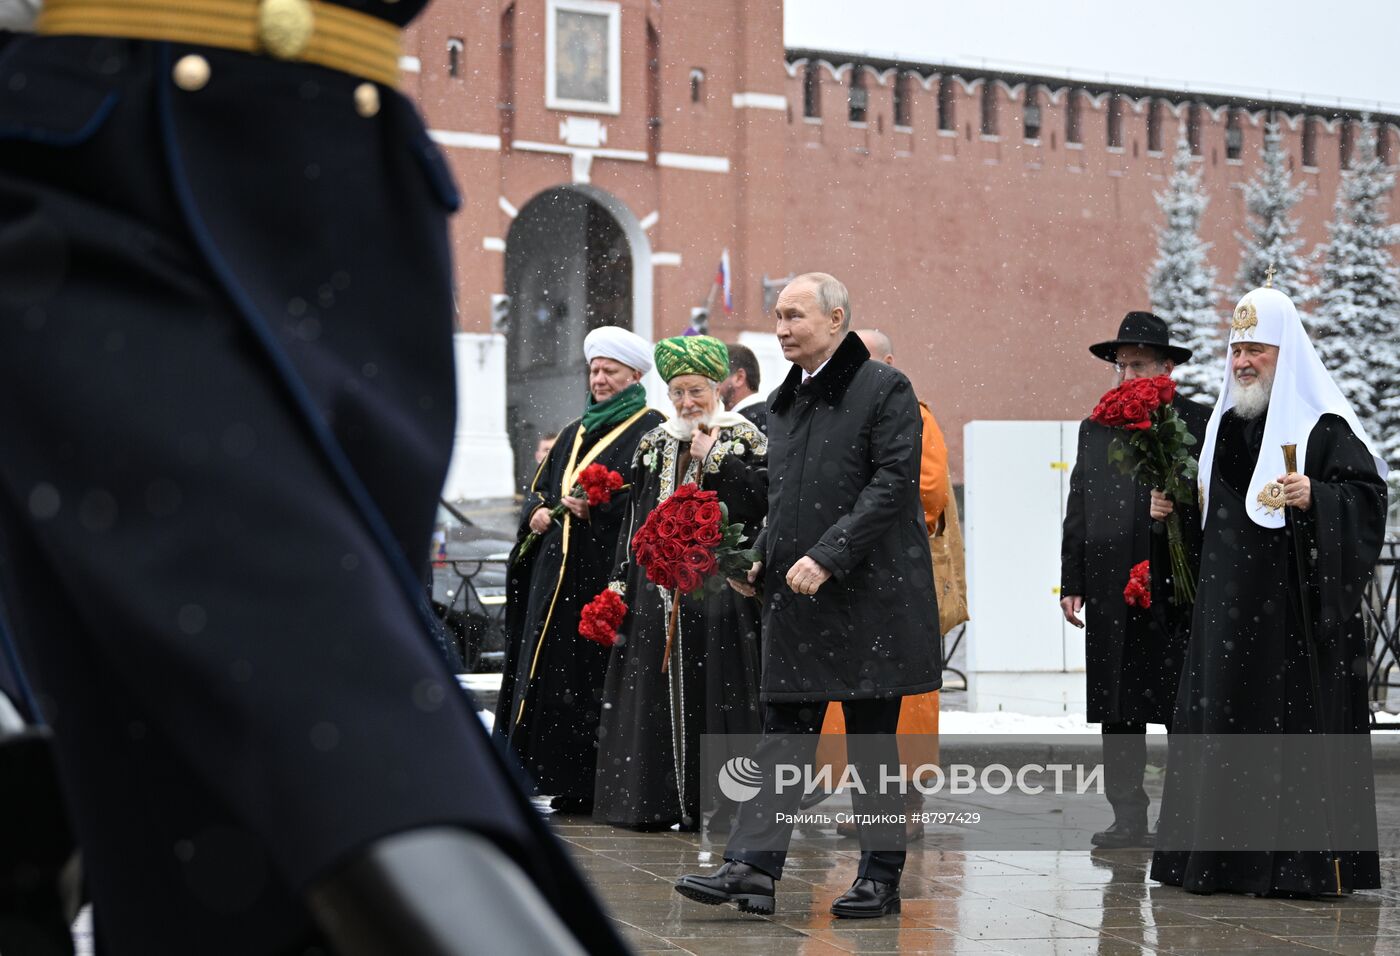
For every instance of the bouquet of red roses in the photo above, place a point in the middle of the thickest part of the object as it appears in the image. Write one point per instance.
(1151, 445)
(602, 616)
(1138, 593)
(688, 545)
(596, 481)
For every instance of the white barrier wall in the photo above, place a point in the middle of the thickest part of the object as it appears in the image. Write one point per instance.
(1022, 656)
(482, 463)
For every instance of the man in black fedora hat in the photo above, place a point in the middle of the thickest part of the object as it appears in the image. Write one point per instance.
(1132, 655)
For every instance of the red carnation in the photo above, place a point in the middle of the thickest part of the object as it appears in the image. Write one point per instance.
(602, 617)
(598, 483)
(1138, 592)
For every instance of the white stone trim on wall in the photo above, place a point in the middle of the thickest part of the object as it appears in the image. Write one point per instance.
(694, 161)
(529, 146)
(462, 140)
(759, 101)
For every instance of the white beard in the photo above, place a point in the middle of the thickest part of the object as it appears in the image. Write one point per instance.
(1252, 400)
(687, 426)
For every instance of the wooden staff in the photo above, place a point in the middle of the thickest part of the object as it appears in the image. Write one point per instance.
(671, 631)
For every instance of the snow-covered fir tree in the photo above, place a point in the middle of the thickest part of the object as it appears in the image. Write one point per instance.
(1182, 286)
(1272, 239)
(1356, 324)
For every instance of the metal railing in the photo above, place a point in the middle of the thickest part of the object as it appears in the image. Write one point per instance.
(1380, 612)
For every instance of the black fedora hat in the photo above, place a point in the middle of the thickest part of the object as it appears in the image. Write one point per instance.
(1142, 328)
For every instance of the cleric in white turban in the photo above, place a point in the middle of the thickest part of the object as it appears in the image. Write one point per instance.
(611, 342)
(552, 685)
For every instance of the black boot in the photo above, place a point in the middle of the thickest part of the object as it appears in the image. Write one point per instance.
(1122, 836)
(866, 899)
(735, 882)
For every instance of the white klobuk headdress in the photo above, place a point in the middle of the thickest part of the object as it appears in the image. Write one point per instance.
(1303, 391)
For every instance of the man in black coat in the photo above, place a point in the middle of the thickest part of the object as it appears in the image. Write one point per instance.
(226, 311)
(740, 389)
(1132, 655)
(844, 619)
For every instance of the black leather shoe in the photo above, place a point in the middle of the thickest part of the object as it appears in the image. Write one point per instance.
(866, 899)
(1123, 836)
(734, 882)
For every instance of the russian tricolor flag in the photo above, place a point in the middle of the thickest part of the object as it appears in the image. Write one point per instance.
(722, 280)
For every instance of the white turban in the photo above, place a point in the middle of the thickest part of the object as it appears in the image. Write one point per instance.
(1303, 391)
(629, 348)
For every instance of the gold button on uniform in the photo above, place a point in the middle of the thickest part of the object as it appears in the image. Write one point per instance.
(367, 99)
(285, 27)
(191, 72)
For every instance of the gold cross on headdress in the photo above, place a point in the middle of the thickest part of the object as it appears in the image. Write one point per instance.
(1269, 276)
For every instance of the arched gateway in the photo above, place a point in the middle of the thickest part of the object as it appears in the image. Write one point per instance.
(576, 259)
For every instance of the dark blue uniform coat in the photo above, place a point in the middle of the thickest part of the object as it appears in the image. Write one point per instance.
(225, 355)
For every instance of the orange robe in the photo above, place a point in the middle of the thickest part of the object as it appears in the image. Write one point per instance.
(919, 713)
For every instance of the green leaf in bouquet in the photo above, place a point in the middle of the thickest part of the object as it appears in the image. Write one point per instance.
(723, 511)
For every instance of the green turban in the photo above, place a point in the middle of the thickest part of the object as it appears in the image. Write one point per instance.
(692, 355)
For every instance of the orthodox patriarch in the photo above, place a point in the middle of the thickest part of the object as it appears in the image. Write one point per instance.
(1277, 645)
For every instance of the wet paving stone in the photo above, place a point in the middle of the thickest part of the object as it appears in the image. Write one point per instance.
(1034, 903)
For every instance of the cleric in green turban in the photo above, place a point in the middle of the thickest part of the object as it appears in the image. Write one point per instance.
(710, 685)
(702, 355)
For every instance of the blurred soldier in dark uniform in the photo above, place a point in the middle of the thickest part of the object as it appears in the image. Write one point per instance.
(225, 320)
(1132, 655)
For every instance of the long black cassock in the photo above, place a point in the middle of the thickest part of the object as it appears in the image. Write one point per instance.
(649, 741)
(553, 679)
(1247, 669)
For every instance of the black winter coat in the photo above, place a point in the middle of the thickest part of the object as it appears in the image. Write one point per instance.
(1132, 657)
(843, 468)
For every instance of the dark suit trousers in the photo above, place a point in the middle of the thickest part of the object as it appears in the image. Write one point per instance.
(1124, 763)
(790, 734)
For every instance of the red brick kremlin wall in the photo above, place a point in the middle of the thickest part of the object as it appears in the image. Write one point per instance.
(992, 260)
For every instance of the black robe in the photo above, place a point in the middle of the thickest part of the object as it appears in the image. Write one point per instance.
(1247, 669)
(552, 680)
(1132, 656)
(649, 740)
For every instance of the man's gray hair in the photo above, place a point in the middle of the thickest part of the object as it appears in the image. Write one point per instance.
(831, 294)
